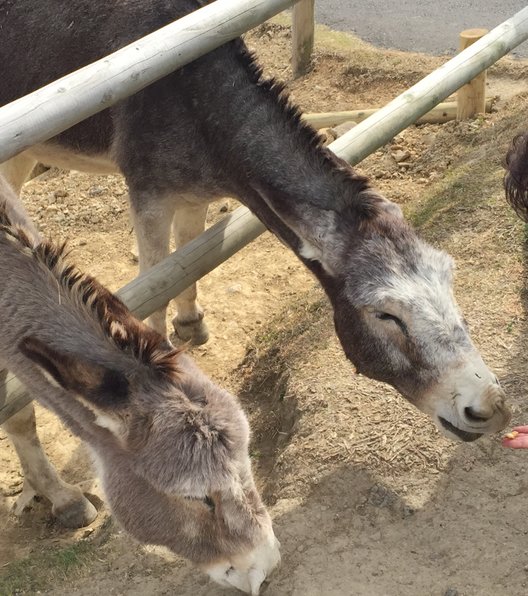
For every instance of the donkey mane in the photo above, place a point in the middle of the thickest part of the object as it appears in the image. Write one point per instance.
(118, 325)
(365, 205)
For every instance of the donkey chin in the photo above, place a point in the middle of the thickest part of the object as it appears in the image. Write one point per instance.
(468, 403)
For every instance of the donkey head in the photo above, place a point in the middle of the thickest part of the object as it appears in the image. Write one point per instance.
(171, 449)
(394, 309)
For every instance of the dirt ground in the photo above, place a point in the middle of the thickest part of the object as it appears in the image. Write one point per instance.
(367, 498)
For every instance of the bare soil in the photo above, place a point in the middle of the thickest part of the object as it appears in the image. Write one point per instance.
(367, 498)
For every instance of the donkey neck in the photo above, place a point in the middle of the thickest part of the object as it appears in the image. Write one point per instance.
(257, 138)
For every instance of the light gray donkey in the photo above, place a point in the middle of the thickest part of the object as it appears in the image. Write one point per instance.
(170, 447)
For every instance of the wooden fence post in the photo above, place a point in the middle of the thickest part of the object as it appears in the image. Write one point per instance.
(471, 98)
(303, 24)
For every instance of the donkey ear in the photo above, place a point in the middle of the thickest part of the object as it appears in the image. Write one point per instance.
(99, 385)
(316, 229)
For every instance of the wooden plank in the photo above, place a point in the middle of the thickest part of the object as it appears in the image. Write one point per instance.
(155, 287)
(13, 395)
(443, 112)
(303, 28)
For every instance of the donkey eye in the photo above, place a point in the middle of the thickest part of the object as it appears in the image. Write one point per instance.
(385, 316)
(209, 504)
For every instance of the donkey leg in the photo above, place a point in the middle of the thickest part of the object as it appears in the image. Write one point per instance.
(152, 223)
(189, 221)
(17, 169)
(69, 505)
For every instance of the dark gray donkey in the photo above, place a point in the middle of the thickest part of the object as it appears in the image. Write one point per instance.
(170, 447)
(217, 128)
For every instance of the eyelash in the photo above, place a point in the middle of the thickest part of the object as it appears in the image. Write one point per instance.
(384, 316)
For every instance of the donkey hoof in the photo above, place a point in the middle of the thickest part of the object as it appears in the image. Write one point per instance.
(24, 500)
(194, 331)
(76, 514)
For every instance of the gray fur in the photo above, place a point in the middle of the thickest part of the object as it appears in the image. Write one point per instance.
(171, 447)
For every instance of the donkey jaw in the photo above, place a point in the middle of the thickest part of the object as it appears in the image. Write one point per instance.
(451, 429)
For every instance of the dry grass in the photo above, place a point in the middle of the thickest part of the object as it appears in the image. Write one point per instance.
(48, 567)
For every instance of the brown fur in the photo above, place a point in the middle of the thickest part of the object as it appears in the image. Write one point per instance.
(217, 128)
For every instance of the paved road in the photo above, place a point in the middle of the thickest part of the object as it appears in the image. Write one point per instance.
(430, 26)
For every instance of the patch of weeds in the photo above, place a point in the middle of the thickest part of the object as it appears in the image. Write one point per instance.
(350, 46)
(43, 570)
(468, 155)
(453, 201)
(294, 322)
(525, 233)
(441, 196)
(39, 572)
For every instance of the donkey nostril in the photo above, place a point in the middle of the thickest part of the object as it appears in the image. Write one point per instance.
(474, 415)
